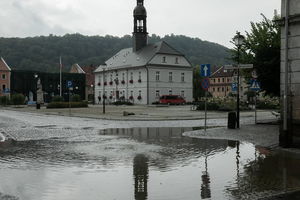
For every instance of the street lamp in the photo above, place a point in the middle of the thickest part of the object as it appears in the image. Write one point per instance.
(238, 41)
(93, 94)
(36, 76)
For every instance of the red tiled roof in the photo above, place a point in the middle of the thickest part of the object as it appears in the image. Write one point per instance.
(89, 74)
(4, 66)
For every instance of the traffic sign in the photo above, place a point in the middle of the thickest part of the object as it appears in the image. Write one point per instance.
(254, 74)
(6, 90)
(205, 83)
(69, 84)
(241, 66)
(205, 70)
(234, 87)
(254, 85)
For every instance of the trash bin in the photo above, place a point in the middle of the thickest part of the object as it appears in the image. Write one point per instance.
(38, 106)
(231, 120)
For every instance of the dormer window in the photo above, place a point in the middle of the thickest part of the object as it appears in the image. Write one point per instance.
(3, 77)
(164, 59)
(176, 60)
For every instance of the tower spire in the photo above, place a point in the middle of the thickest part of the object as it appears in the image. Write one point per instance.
(140, 35)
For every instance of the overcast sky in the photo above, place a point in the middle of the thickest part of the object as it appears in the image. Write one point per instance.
(212, 20)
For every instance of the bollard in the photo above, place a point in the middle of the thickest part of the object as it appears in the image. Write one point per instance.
(231, 120)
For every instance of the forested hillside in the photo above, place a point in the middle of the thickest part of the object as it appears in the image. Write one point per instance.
(42, 53)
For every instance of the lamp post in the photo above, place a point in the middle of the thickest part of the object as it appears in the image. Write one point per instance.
(238, 41)
(36, 76)
(93, 93)
(104, 96)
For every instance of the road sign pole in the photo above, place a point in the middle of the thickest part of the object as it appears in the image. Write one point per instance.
(255, 114)
(69, 102)
(238, 101)
(205, 105)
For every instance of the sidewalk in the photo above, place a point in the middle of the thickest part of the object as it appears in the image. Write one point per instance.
(261, 135)
(141, 113)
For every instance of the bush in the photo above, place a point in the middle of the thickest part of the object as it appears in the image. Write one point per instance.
(82, 104)
(267, 105)
(210, 105)
(117, 103)
(17, 99)
(57, 99)
(4, 100)
(76, 98)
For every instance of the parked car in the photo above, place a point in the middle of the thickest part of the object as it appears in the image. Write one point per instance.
(171, 99)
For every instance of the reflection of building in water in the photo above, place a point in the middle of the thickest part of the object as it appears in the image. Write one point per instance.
(140, 173)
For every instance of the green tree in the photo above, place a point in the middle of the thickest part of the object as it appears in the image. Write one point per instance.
(197, 79)
(262, 49)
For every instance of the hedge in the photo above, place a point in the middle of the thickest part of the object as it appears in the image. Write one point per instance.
(83, 104)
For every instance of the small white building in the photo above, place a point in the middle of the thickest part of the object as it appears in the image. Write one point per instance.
(145, 72)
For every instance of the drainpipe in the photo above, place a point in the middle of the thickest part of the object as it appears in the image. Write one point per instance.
(147, 84)
(286, 67)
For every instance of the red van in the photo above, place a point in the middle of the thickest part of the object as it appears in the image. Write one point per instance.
(171, 99)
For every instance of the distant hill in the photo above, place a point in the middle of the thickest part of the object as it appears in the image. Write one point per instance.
(42, 53)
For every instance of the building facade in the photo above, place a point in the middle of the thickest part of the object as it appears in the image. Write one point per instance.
(290, 81)
(221, 83)
(143, 73)
(88, 71)
(5, 74)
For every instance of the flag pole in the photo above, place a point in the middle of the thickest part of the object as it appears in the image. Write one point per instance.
(60, 77)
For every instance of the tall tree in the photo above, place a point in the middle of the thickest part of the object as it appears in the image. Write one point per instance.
(262, 49)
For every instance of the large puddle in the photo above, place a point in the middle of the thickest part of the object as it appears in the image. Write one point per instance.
(143, 163)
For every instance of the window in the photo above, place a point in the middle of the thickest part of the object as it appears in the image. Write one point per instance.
(3, 76)
(140, 93)
(131, 75)
(223, 80)
(170, 76)
(111, 78)
(104, 78)
(157, 93)
(131, 93)
(228, 80)
(140, 75)
(182, 77)
(214, 80)
(3, 87)
(170, 92)
(218, 80)
(176, 60)
(99, 79)
(123, 76)
(214, 89)
(164, 59)
(218, 89)
(222, 89)
(182, 93)
(157, 76)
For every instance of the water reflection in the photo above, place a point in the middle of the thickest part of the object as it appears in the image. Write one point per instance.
(140, 173)
(144, 164)
(205, 186)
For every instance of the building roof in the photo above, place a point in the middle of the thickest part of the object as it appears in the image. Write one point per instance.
(128, 58)
(76, 69)
(4, 66)
(221, 72)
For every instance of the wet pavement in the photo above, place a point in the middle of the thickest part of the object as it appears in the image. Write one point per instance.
(56, 157)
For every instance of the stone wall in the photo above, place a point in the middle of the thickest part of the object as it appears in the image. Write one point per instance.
(294, 66)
